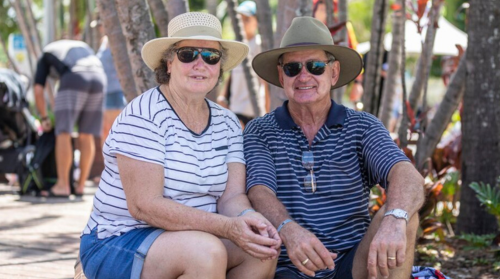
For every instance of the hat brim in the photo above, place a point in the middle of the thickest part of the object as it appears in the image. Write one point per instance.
(153, 50)
(351, 63)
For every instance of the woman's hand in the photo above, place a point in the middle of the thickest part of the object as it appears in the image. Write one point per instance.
(255, 235)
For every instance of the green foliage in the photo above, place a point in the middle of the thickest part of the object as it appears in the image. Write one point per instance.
(488, 196)
(7, 22)
(455, 13)
(477, 241)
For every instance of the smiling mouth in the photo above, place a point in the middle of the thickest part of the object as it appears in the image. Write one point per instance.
(304, 87)
(198, 77)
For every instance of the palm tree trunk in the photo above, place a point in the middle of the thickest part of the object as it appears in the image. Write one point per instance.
(251, 80)
(177, 7)
(117, 42)
(450, 102)
(138, 29)
(287, 11)
(374, 63)
(481, 116)
(389, 90)
(265, 19)
(341, 36)
(160, 15)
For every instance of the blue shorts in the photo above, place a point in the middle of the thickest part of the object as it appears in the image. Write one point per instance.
(343, 267)
(115, 100)
(115, 256)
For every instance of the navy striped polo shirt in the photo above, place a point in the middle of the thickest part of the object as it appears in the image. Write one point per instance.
(352, 152)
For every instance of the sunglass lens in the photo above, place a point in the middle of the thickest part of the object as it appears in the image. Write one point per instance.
(292, 69)
(316, 67)
(210, 57)
(310, 183)
(307, 160)
(187, 55)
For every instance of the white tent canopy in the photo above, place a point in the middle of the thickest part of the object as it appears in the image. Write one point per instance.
(447, 36)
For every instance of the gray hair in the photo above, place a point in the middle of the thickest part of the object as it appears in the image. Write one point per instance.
(161, 72)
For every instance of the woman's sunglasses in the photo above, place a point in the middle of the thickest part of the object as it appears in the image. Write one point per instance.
(211, 56)
(314, 67)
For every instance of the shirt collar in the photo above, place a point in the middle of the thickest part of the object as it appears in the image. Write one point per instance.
(336, 116)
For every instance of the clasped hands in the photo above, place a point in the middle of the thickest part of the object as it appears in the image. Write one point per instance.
(255, 235)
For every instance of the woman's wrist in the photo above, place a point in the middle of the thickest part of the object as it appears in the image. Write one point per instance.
(246, 211)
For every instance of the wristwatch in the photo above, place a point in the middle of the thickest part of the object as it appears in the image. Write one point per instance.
(398, 213)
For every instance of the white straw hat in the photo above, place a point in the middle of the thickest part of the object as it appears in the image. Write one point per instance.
(194, 26)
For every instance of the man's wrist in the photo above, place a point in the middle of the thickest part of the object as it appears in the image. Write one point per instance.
(398, 214)
(280, 227)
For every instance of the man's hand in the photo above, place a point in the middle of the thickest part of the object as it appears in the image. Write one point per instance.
(388, 247)
(255, 236)
(46, 125)
(305, 250)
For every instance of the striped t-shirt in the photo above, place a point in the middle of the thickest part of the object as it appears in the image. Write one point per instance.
(352, 152)
(195, 165)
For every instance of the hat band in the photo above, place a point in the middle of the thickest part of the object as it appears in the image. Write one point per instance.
(197, 31)
(301, 44)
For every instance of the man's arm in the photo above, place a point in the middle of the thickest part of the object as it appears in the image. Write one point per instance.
(389, 245)
(301, 244)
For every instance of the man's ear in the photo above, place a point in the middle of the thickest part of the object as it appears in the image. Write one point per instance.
(280, 75)
(335, 72)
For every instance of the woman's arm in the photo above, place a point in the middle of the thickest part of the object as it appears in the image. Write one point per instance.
(143, 185)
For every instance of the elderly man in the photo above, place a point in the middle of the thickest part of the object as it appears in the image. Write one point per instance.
(311, 164)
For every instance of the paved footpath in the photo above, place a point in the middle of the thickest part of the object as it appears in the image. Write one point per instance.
(40, 238)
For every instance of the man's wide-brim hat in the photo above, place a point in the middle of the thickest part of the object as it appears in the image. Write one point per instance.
(306, 33)
(194, 26)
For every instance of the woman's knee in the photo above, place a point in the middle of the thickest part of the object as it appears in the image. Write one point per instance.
(186, 252)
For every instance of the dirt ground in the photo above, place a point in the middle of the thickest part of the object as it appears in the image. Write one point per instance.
(457, 260)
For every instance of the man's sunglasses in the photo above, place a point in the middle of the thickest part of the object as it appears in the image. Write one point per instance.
(211, 56)
(314, 67)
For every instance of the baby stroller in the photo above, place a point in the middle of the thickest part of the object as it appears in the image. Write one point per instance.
(18, 133)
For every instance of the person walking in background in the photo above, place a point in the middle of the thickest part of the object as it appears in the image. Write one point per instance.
(312, 162)
(171, 201)
(79, 101)
(114, 100)
(235, 94)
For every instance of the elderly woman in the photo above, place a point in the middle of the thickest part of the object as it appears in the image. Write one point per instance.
(171, 202)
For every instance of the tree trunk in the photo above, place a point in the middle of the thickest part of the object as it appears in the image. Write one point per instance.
(374, 64)
(211, 6)
(251, 80)
(11, 61)
(424, 61)
(161, 16)
(73, 20)
(287, 11)
(37, 42)
(341, 37)
(26, 34)
(117, 43)
(177, 7)
(403, 133)
(138, 29)
(429, 140)
(265, 19)
(394, 60)
(481, 116)
(423, 66)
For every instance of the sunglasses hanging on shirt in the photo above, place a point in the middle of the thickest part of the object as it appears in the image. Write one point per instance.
(211, 56)
(310, 179)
